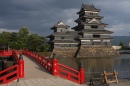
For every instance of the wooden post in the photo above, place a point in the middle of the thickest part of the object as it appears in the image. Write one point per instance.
(115, 74)
(54, 66)
(81, 74)
(21, 66)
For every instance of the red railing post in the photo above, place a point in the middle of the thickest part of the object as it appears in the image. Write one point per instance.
(21, 66)
(3, 53)
(54, 66)
(81, 74)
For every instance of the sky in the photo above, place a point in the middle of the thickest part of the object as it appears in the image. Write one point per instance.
(40, 15)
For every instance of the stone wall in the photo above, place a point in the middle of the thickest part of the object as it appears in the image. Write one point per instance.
(96, 51)
(64, 52)
(84, 51)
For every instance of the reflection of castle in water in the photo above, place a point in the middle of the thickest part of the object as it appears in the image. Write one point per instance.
(90, 64)
(88, 38)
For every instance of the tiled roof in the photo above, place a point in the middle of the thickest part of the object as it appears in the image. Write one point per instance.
(95, 38)
(88, 7)
(68, 33)
(65, 41)
(82, 18)
(96, 31)
(60, 24)
(93, 23)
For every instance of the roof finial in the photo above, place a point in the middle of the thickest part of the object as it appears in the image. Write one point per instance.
(83, 5)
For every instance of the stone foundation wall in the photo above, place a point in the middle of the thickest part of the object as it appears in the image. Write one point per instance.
(84, 51)
(64, 52)
(96, 51)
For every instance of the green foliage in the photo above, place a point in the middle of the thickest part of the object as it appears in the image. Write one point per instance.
(121, 44)
(123, 47)
(24, 40)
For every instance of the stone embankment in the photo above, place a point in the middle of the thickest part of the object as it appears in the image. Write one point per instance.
(64, 52)
(96, 51)
(85, 51)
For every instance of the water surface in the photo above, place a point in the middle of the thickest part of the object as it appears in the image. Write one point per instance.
(95, 66)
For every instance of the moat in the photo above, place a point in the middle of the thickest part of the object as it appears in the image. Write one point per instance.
(95, 66)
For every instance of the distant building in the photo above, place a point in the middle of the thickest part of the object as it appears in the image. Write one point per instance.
(89, 38)
(117, 47)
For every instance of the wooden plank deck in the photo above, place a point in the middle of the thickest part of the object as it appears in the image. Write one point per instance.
(36, 75)
(34, 69)
(55, 81)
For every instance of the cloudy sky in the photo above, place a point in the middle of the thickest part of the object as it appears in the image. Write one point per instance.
(40, 15)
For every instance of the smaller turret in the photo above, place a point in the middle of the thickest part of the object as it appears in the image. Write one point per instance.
(60, 27)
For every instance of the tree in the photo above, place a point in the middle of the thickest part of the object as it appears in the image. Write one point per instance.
(5, 37)
(13, 40)
(37, 43)
(122, 45)
(4, 40)
(24, 40)
(23, 36)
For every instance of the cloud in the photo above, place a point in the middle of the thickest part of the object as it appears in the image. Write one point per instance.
(120, 29)
(40, 15)
(7, 30)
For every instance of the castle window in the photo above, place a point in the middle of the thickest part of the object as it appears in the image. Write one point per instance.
(91, 13)
(58, 30)
(96, 36)
(95, 14)
(94, 26)
(62, 37)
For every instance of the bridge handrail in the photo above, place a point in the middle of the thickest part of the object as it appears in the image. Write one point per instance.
(13, 74)
(73, 70)
(15, 55)
(46, 63)
(68, 73)
(5, 52)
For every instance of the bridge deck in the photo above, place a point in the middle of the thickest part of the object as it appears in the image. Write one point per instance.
(34, 69)
(36, 75)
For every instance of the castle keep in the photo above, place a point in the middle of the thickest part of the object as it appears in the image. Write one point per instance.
(88, 38)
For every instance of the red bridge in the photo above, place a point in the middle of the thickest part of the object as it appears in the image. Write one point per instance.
(31, 69)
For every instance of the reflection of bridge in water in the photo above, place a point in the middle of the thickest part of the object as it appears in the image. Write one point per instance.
(35, 74)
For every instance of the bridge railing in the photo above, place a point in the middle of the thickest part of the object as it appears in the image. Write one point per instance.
(15, 56)
(9, 74)
(5, 52)
(46, 63)
(58, 69)
(68, 73)
(14, 72)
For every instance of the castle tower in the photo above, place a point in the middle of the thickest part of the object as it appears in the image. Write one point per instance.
(94, 39)
(90, 26)
(60, 27)
(63, 42)
(61, 37)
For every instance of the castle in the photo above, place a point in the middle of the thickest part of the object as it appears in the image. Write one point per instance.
(87, 39)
